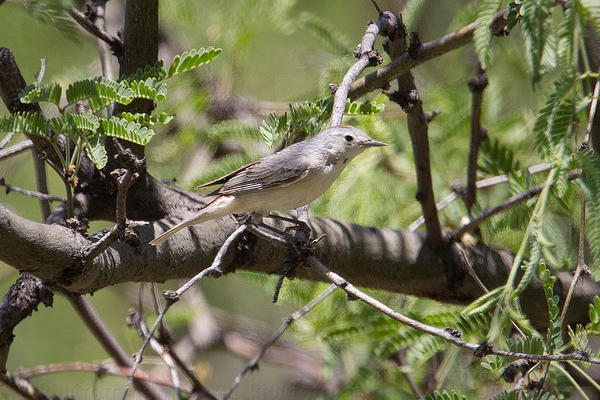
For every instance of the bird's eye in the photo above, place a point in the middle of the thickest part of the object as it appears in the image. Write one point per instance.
(348, 138)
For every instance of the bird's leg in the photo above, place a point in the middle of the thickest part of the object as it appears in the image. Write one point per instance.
(297, 224)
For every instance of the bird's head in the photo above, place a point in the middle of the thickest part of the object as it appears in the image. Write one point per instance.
(347, 141)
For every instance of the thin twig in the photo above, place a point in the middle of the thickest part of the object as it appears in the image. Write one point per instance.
(173, 296)
(115, 43)
(481, 184)
(476, 85)
(136, 320)
(30, 193)
(108, 342)
(6, 139)
(15, 149)
(581, 266)
(450, 336)
(428, 51)
(513, 201)
(104, 50)
(98, 369)
(367, 56)
(41, 181)
(253, 364)
(40, 75)
(592, 113)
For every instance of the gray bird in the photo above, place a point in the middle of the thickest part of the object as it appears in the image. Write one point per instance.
(290, 178)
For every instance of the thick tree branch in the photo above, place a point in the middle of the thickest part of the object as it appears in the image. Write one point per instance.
(430, 50)
(379, 258)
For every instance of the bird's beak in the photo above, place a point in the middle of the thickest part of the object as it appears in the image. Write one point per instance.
(374, 142)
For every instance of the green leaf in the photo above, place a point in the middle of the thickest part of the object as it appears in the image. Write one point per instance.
(95, 150)
(123, 129)
(594, 313)
(25, 122)
(192, 59)
(364, 108)
(482, 36)
(150, 89)
(148, 119)
(444, 395)
(99, 92)
(36, 93)
(156, 71)
(75, 125)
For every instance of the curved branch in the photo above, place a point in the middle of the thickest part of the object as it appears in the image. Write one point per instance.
(379, 258)
(430, 50)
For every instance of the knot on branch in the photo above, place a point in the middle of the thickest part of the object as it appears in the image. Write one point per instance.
(171, 296)
(408, 101)
(479, 82)
(414, 45)
(429, 116)
(78, 225)
(453, 331)
(333, 88)
(483, 349)
(375, 58)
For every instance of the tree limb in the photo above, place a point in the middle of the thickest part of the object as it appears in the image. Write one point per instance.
(430, 50)
(380, 258)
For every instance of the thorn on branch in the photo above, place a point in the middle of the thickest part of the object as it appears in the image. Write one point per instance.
(379, 10)
(483, 349)
(453, 331)
(429, 116)
(40, 75)
(332, 88)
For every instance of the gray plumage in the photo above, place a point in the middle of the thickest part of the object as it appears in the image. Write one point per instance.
(290, 178)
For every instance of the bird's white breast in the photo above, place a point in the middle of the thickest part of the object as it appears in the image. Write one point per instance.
(295, 194)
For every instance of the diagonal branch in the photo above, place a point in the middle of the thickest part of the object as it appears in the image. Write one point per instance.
(513, 201)
(30, 193)
(449, 335)
(430, 50)
(253, 363)
(86, 23)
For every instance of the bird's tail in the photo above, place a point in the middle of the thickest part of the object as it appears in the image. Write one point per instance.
(198, 218)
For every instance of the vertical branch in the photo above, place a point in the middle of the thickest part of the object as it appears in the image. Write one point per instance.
(41, 181)
(409, 99)
(104, 49)
(476, 86)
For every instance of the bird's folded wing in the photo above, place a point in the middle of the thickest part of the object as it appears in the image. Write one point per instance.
(264, 174)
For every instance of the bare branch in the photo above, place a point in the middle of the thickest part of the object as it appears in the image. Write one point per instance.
(409, 99)
(16, 149)
(450, 336)
(30, 193)
(23, 387)
(513, 201)
(253, 364)
(428, 51)
(476, 85)
(115, 43)
(173, 297)
(6, 139)
(110, 344)
(480, 184)
(592, 113)
(96, 368)
(20, 301)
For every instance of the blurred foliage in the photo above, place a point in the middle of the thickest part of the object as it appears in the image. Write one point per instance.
(535, 110)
